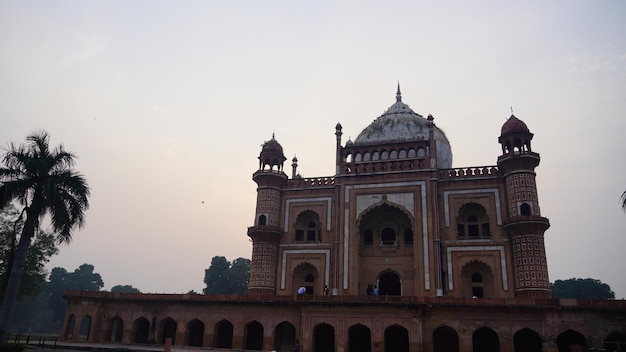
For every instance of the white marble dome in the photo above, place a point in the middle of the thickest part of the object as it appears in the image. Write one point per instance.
(400, 123)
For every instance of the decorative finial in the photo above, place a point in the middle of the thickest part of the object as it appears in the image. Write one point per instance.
(272, 135)
(512, 111)
(398, 94)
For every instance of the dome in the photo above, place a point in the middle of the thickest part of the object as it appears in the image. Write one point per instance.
(400, 123)
(513, 124)
(272, 154)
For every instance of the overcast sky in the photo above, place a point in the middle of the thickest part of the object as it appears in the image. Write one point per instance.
(167, 103)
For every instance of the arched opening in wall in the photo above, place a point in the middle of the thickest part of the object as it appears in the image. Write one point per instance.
(384, 155)
(366, 157)
(262, 220)
(357, 158)
(223, 336)
(421, 153)
(402, 154)
(525, 209)
(141, 330)
(253, 336)
(195, 333)
(168, 330)
(389, 284)
(393, 154)
(570, 340)
(359, 339)
(284, 336)
(485, 340)
(375, 156)
(527, 340)
(412, 153)
(69, 327)
(445, 339)
(477, 280)
(308, 227)
(388, 236)
(115, 329)
(396, 339)
(85, 328)
(616, 341)
(305, 275)
(349, 158)
(323, 338)
(473, 222)
(381, 225)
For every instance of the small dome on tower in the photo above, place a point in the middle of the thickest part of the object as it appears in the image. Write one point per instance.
(272, 155)
(513, 124)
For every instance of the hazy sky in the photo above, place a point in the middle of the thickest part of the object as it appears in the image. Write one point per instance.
(167, 103)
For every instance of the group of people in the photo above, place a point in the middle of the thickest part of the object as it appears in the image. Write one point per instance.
(372, 290)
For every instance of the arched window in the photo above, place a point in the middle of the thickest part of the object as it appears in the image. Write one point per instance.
(473, 222)
(262, 220)
(525, 209)
(308, 227)
(477, 286)
(388, 236)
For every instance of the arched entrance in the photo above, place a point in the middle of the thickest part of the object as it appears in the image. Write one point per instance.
(141, 330)
(570, 338)
(616, 341)
(305, 275)
(359, 339)
(445, 339)
(168, 330)
(527, 340)
(485, 340)
(85, 328)
(116, 327)
(396, 339)
(253, 336)
(284, 336)
(223, 334)
(389, 284)
(195, 333)
(323, 338)
(69, 327)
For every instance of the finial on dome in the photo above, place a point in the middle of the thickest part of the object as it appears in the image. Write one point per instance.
(398, 94)
(273, 135)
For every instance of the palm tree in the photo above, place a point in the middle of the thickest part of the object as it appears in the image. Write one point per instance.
(44, 183)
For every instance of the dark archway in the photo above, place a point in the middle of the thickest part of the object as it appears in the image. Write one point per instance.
(396, 339)
(116, 328)
(616, 341)
(323, 338)
(253, 336)
(445, 339)
(69, 328)
(485, 340)
(195, 333)
(389, 284)
(359, 339)
(527, 340)
(284, 336)
(223, 334)
(168, 330)
(141, 330)
(570, 338)
(85, 328)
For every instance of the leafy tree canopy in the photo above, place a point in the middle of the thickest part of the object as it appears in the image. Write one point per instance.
(222, 277)
(42, 248)
(125, 289)
(581, 288)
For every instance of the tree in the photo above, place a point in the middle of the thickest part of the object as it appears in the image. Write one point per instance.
(42, 248)
(125, 289)
(43, 181)
(223, 278)
(581, 288)
(83, 278)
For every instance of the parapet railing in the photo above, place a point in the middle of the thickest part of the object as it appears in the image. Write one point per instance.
(469, 172)
(311, 182)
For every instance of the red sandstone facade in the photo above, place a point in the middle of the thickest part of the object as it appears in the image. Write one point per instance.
(456, 256)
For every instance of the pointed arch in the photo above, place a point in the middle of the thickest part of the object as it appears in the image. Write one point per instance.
(473, 222)
(195, 333)
(383, 224)
(115, 329)
(308, 227)
(167, 330)
(359, 338)
(306, 274)
(323, 338)
(527, 340)
(223, 335)
(284, 336)
(477, 280)
(253, 336)
(445, 339)
(69, 327)
(141, 330)
(396, 338)
(85, 328)
(485, 340)
(615, 341)
(389, 283)
(569, 338)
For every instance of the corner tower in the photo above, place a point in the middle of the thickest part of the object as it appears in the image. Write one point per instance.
(524, 226)
(266, 232)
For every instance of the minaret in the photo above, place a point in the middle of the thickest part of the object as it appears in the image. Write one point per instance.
(266, 232)
(524, 225)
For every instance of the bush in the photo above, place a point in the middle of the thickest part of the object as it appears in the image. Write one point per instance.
(12, 347)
